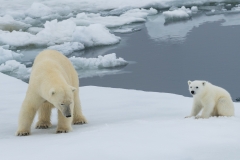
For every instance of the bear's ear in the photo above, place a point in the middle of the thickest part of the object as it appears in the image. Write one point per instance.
(203, 83)
(189, 82)
(73, 88)
(52, 91)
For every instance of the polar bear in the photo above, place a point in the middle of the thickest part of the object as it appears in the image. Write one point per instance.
(213, 100)
(53, 83)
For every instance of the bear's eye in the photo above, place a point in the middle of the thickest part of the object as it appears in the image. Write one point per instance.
(190, 87)
(196, 87)
(62, 104)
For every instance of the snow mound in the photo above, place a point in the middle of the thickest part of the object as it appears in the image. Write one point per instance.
(107, 61)
(15, 69)
(178, 14)
(55, 33)
(9, 24)
(131, 16)
(68, 47)
(6, 55)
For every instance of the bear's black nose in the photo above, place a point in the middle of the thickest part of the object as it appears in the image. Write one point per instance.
(192, 92)
(68, 116)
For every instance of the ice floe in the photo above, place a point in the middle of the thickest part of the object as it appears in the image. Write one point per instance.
(6, 55)
(7, 23)
(130, 16)
(178, 14)
(68, 47)
(55, 33)
(86, 67)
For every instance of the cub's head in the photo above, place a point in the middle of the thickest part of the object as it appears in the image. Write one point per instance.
(62, 98)
(196, 87)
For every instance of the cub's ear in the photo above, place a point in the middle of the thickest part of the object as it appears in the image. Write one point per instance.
(72, 88)
(189, 82)
(52, 91)
(204, 83)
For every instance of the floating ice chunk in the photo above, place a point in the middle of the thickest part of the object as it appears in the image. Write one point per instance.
(126, 30)
(118, 11)
(9, 24)
(68, 47)
(6, 55)
(194, 9)
(131, 16)
(178, 14)
(107, 61)
(32, 21)
(63, 10)
(94, 35)
(38, 10)
(59, 32)
(34, 30)
(15, 69)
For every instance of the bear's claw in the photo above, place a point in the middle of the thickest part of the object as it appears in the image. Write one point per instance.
(23, 133)
(43, 125)
(80, 121)
(62, 131)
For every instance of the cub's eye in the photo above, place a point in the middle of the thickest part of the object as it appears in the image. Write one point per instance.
(196, 87)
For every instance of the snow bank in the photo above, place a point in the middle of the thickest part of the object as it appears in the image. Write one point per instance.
(131, 16)
(6, 55)
(9, 24)
(178, 14)
(122, 124)
(55, 32)
(68, 47)
(107, 61)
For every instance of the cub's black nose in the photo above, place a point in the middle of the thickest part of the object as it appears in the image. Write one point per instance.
(68, 116)
(192, 92)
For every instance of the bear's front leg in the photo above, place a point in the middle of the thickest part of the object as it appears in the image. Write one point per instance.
(64, 123)
(78, 117)
(44, 116)
(208, 108)
(27, 114)
(195, 109)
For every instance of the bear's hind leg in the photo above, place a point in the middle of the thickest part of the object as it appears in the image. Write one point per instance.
(44, 116)
(225, 107)
(78, 117)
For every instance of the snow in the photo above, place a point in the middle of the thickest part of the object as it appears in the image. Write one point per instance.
(86, 67)
(6, 55)
(38, 10)
(55, 32)
(180, 13)
(9, 24)
(122, 124)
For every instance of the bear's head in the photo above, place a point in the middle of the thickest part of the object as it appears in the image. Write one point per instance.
(62, 98)
(196, 87)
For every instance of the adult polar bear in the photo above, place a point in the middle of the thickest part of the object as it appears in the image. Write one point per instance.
(214, 100)
(53, 83)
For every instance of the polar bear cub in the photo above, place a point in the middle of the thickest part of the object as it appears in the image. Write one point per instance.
(211, 99)
(53, 83)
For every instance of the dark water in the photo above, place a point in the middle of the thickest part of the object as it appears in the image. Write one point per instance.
(207, 51)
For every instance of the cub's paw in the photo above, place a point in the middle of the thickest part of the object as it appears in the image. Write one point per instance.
(23, 133)
(80, 120)
(43, 125)
(63, 130)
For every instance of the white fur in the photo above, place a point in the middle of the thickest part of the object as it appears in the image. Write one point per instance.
(211, 99)
(53, 83)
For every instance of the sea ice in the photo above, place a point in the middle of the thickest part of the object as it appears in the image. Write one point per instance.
(6, 55)
(177, 14)
(68, 47)
(7, 23)
(55, 33)
(130, 16)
